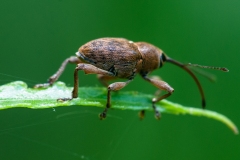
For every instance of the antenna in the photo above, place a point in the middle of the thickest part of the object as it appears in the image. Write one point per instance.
(209, 67)
(184, 66)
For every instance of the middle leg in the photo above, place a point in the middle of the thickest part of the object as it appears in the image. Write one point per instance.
(112, 87)
(90, 69)
(105, 79)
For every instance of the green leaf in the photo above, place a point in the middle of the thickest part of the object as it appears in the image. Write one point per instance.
(17, 94)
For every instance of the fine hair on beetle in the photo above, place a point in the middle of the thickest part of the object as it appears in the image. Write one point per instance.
(112, 58)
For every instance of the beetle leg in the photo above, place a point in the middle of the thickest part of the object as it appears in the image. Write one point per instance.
(141, 114)
(104, 79)
(88, 69)
(54, 77)
(162, 86)
(112, 87)
(158, 92)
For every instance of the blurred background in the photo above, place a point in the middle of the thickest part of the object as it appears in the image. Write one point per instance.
(36, 36)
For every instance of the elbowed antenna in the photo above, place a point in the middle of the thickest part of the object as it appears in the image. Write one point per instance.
(184, 66)
(168, 59)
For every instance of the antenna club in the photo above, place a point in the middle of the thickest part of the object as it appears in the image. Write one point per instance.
(225, 70)
(209, 67)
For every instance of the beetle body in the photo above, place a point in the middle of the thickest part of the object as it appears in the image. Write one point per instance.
(115, 55)
(120, 56)
(112, 58)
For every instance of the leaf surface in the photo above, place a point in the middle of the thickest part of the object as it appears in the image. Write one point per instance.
(17, 94)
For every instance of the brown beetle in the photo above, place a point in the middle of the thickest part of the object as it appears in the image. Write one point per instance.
(112, 58)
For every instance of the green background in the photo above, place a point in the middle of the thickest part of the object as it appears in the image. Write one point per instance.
(36, 36)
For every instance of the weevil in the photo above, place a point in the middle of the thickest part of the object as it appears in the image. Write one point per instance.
(112, 58)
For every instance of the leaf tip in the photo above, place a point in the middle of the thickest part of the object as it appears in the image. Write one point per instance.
(235, 130)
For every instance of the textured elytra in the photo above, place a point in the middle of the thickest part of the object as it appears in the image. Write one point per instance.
(117, 55)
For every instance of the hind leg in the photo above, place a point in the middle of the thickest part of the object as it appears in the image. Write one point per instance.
(55, 76)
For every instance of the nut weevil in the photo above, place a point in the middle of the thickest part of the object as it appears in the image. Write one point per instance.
(112, 58)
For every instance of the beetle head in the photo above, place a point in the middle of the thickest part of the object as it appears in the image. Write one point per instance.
(152, 57)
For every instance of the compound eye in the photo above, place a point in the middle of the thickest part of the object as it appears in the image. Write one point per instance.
(162, 60)
(163, 57)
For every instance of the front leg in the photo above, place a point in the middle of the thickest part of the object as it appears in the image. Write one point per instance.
(162, 86)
